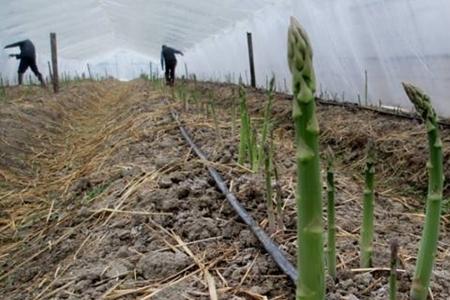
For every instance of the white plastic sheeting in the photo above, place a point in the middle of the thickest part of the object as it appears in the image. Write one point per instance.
(394, 40)
(132, 30)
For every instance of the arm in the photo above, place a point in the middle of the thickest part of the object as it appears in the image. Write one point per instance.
(18, 44)
(17, 56)
(175, 51)
(178, 52)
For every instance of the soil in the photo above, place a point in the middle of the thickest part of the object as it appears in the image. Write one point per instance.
(100, 197)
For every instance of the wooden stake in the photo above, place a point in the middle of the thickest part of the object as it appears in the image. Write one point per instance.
(250, 56)
(2, 87)
(50, 73)
(55, 76)
(89, 72)
(366, 88)
(151, 71)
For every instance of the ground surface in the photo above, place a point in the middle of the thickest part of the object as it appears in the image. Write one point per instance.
(101, 198)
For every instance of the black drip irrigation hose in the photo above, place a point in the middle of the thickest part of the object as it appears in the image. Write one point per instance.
(268, 244)
(444, 122)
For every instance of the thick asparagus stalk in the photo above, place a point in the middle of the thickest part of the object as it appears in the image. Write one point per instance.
(368, 205)
(430, 234)
(310, 257)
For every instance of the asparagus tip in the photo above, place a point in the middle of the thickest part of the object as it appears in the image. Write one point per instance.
(421, 101)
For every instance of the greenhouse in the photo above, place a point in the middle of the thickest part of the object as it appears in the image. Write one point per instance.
(271, 149)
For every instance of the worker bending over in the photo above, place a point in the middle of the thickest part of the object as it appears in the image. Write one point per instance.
(27, 58)
(168, 58)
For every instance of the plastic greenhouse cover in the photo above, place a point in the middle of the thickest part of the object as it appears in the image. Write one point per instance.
(393, 40)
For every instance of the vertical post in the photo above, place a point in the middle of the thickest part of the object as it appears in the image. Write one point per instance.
(366, 88)
(54, 62)
(2, 87)
(117, 67)
(89, 72)
(250, 56)
(50, 72)
(151, 71)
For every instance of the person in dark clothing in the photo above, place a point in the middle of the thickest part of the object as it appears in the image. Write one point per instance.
(168, 58)
(27, 58)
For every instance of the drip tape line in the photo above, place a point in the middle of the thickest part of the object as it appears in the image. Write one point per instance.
(443, 122)
(269, 245)
(383, 111)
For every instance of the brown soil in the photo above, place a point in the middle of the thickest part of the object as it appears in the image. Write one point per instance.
(101, 198)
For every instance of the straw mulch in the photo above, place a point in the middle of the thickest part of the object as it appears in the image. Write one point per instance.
(109, 203)
(401, 181)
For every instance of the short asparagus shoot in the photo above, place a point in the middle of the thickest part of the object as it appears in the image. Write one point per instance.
(244, 130)
(278, 190)
(310, 255)
(233, 112)
(279, 201)
(267, 121)
(254, 159)
(393, 274)
(215, 118)
(367, 228)
(245, 141)
(269, 190)
(331, 249)
(430, 234)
